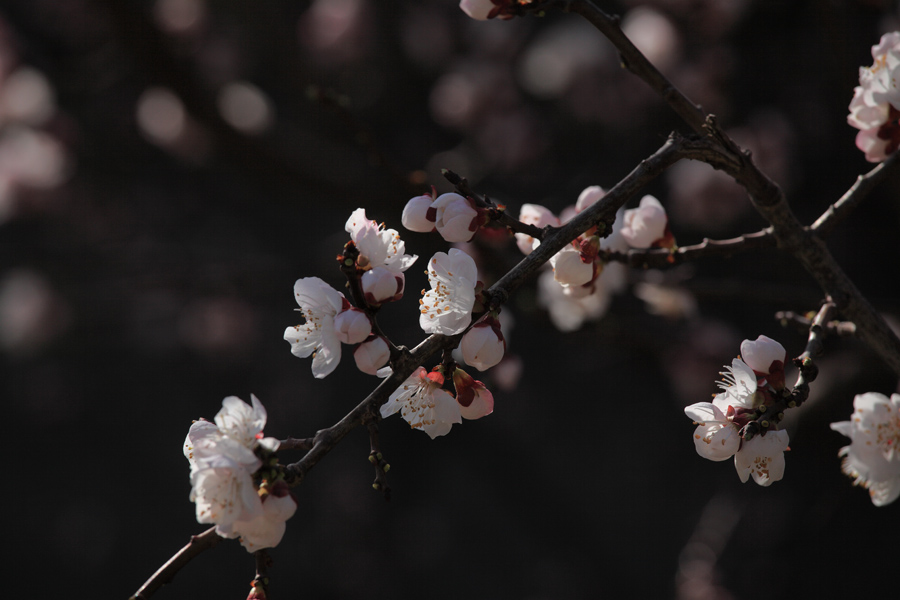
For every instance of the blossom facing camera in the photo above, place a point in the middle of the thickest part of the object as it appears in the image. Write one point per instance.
(872, 458)
(483, 346)
(416, 212)
(424, 404)
(716, 437)
(447, 307)
(875, 107)
(647, 225)
(762, 458)
(319, 304)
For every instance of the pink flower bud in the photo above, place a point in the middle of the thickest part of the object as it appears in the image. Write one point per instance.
(455, 217)
(477, 9)
(352, 326)
(766, 357)
(589, 196)
(569, 268)
(475, 400)
(483, 346)
(415, 214)
(382, 285)
(372, 355)
(646, 224)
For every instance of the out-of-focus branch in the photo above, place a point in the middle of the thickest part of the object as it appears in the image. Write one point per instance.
(165, 573)
(839, 211)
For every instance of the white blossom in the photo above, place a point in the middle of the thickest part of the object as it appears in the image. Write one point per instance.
(539, 216)
(569, 268)
(738, 386)
(378, 247)
(872, 458)
(371, 355)
(588, 197)
(477, 9)
(447, 307)
(762, 458)
(455, 217)
(483, 346)
(876, 101)
(716, 438)
(646, 224)
(319, 303)
(352, 326)
(416, 212)
(424, 404)
(266, 528)
(762, 354)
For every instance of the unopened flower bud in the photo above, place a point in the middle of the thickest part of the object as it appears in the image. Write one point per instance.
(415, 214)
(455, 218)
(475, 400)
(483, 346)
(646, 224)
(371, 355)
(382, 285)
(352, 326)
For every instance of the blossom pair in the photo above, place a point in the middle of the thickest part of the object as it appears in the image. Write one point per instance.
(425, 404)
(747, 386)
(224, 457)
(455, 217)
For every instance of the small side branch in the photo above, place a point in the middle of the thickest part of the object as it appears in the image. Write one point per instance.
(660, 258)
(377, 458)
(164, 575)
(839, 211)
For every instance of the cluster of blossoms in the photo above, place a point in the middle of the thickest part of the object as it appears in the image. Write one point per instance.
(580, 284)
(875, 108)
(230, 483)
(872, 458)
(750, 382)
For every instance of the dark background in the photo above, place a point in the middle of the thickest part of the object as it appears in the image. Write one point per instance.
(149, 241)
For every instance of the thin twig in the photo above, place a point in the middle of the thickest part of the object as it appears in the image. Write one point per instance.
(839, 211)
(165, 573)
(660, 258)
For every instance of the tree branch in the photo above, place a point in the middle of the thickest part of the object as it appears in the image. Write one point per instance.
(165, 573)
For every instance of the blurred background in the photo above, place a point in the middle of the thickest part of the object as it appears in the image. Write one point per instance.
(169, 168)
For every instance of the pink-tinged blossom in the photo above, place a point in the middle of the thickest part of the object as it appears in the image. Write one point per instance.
(378, 247)
(380, 285)
(319, 304)
(352, 326)
(570, 307)
(475, 400)
(482, 10)
(716, 438)
(645, 226)
(483, 345)
(223, 460)
(872, 458)
(588, 197)
(875, 107)
(415, 214)
(447, 307)
(424, 404)
(766, 357)
(539, 216)
(569, 267)
(455, 218)
(371, 355)
(762, 458)
(267, 527)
